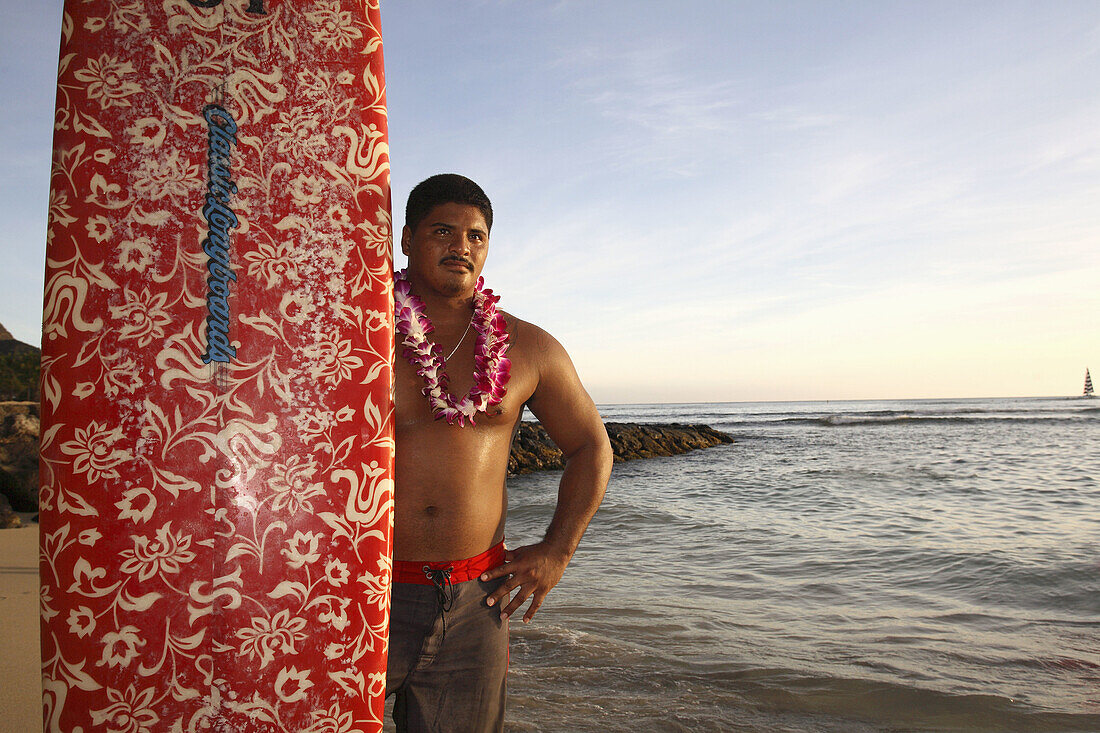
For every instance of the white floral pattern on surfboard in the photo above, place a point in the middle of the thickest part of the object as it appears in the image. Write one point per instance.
(215, 536)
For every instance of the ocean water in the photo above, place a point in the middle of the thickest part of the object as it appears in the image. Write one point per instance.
(843, 566)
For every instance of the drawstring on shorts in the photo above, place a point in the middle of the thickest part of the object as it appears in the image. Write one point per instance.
(446, 575)
(444, 591)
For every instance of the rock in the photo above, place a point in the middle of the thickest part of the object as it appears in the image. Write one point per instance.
(532, 449)
(630, 441)
(19, 368)
(19, 454)
(8, 518)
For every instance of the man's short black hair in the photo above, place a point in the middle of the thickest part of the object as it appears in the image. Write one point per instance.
(446, 188)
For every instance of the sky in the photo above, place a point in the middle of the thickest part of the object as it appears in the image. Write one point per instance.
(728, 201)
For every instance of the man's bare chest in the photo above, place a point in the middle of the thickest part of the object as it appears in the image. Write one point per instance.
(413, 406)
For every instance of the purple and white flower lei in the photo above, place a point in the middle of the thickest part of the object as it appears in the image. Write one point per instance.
(491, 367)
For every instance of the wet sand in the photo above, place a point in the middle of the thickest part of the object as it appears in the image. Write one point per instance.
(20, 693)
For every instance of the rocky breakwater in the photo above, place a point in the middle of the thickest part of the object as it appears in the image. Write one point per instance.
(533, 450)
(19, 364)
(18, 461)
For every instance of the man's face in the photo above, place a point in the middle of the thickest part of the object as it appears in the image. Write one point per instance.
(447, 250)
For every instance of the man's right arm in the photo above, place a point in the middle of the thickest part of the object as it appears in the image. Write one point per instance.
(571, 420)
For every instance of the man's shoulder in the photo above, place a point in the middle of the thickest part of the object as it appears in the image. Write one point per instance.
(543, 365)
(531, 341)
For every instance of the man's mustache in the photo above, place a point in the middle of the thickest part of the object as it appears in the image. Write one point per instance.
(469, 265)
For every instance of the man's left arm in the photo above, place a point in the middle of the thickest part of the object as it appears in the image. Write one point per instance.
(571, 420)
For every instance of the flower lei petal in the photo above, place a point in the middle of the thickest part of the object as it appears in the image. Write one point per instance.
(491, 368)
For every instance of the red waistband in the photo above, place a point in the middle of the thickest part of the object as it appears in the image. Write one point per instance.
(413, 571)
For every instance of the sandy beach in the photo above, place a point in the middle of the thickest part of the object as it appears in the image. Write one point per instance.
(20, 696)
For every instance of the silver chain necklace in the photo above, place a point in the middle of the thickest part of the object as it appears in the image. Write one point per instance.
(448, 357)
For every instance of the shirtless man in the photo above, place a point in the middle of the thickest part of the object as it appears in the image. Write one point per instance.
(455, 586)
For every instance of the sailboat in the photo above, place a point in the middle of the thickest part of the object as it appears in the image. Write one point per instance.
(1088, 385)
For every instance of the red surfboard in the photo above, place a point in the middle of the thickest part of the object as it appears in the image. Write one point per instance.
(217, 423)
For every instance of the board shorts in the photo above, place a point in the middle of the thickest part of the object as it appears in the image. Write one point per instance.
(448, 654)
